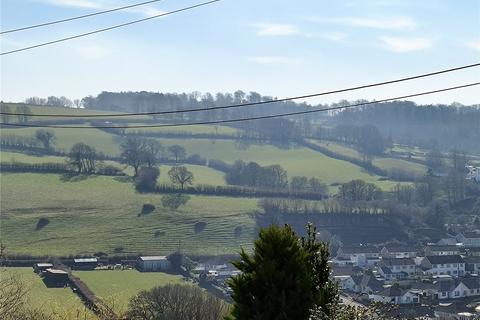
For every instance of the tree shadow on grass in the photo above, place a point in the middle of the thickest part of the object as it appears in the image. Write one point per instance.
(72, 177)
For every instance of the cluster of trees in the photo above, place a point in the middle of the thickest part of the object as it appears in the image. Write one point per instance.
(22, 110)
(83, 157)
(427, 126)
(137, 151)
(53, 101)
(146, 178)
(359, 190)
(251, 174)
(368, 137)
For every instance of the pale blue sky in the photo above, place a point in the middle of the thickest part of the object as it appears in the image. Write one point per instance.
(276, 47)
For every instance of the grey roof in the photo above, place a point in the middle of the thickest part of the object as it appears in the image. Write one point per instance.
(471, 235)
(44, 265)
(85, 260)
(471, 282)
(401, 248)
(153, 258)
(398, 261)
(370, 281)
(445, 247)
(472, 259)
(446, 285)
(362, 249)
(56, 271)
(393, 291)
(445, 259)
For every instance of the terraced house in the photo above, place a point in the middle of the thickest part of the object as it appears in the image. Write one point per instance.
(453, 265)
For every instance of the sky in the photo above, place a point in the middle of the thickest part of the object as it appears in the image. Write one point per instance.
(279, 48)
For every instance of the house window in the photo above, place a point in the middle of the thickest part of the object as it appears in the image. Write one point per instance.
(455, 265)
(444, 294)
(448, 265)
(457, 293)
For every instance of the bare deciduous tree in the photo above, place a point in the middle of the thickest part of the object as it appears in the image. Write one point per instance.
(180, 175)
(176, 302)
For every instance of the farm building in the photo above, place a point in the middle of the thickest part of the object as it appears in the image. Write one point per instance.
(41, 267)
(153, 263)
(85, 263)
(55, 277)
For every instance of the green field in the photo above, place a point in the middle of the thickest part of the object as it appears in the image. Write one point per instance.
(385, 163)
(100, 214)
(298, 161)
(117, 287)
(6, 156)
(201, 174)
(50, 300)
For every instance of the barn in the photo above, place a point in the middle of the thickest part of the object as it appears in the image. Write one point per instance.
(41, 267)
(153, 263)
(85, 263)
(55, 277)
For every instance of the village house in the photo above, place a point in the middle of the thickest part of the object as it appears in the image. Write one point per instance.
(453, 265)
(442, 250)
(358, 256)
(454, 311)
(396, 295)
(472, 264)
(367, 283)
(399, 251)
(397, 268)
(469, 239)
(473, 251)
(346, 283)
(153, 263)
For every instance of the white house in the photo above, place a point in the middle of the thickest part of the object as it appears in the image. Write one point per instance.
(453, 265)
(153, 263)
(358, 256)
(469, 239)
(442, 250)
(396, 295)
(346, 283)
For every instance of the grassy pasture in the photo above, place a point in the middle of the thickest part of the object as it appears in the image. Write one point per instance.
(297, 161)
(384, 163)
(117, 287)
(6, 156)
(102, 214)
(201, 174)
(50, 300)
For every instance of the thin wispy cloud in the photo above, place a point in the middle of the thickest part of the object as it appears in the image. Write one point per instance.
(398, 44)
(276, 29)
(474, 44)
(387, 23)
(146, 10)
(92, 52)
(76, 3)
(335, 36)
(272, 60)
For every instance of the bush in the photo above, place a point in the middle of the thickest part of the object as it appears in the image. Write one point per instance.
(42, 223)
(159, 233)
(238, 231)
(147, 178)
(147, 208)
(199, 226)
(174, 201)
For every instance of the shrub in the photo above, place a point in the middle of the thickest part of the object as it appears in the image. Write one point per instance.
(199, 226)
(174, 201)
(159, 233)
(147, 178)
(42, 223)
(238, 231)
(148, 208)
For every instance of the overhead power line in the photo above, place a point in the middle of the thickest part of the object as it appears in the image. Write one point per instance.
(245, 104)
(247, 118)
(79, 17)
(110, 28)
